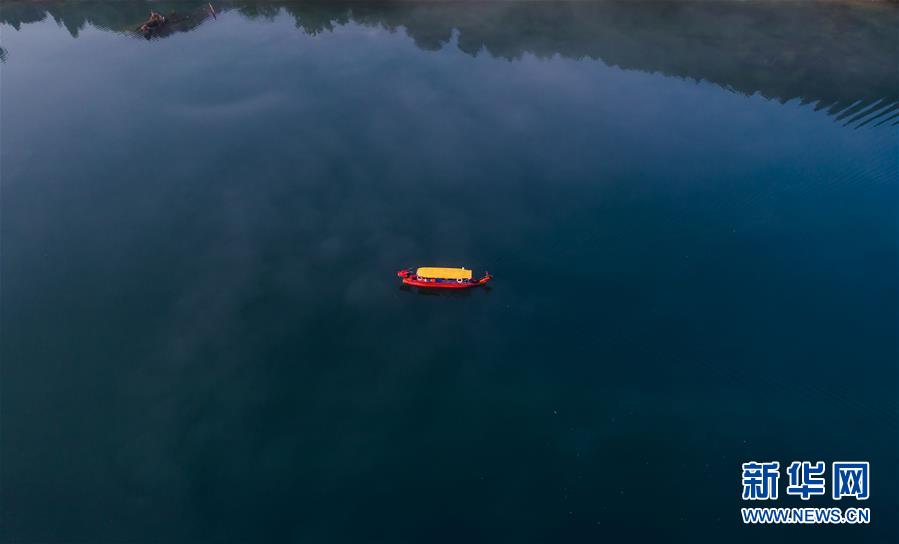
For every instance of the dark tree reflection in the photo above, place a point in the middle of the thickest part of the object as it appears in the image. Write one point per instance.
(841, 56)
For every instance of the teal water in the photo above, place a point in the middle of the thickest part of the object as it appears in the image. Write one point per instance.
(690, 210)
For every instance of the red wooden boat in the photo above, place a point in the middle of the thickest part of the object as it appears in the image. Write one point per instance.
(441, 278)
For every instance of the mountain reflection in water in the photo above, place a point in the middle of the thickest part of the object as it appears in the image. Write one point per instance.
(835, 55)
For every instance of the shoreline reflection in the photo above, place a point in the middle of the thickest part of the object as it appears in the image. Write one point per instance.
(838, 56)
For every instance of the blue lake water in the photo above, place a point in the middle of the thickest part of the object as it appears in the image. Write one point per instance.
(691, 211)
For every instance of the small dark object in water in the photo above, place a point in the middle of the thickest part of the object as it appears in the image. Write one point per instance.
(159, 24)
(153, 24)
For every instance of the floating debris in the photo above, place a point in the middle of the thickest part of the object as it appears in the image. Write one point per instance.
(159, 25)
(153, 24)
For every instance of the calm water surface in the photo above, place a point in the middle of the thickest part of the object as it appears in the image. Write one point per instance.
(690, 211)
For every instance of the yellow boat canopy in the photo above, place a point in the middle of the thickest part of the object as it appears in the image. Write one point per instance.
(444, 273)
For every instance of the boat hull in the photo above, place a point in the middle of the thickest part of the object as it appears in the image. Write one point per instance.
(444, 284)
